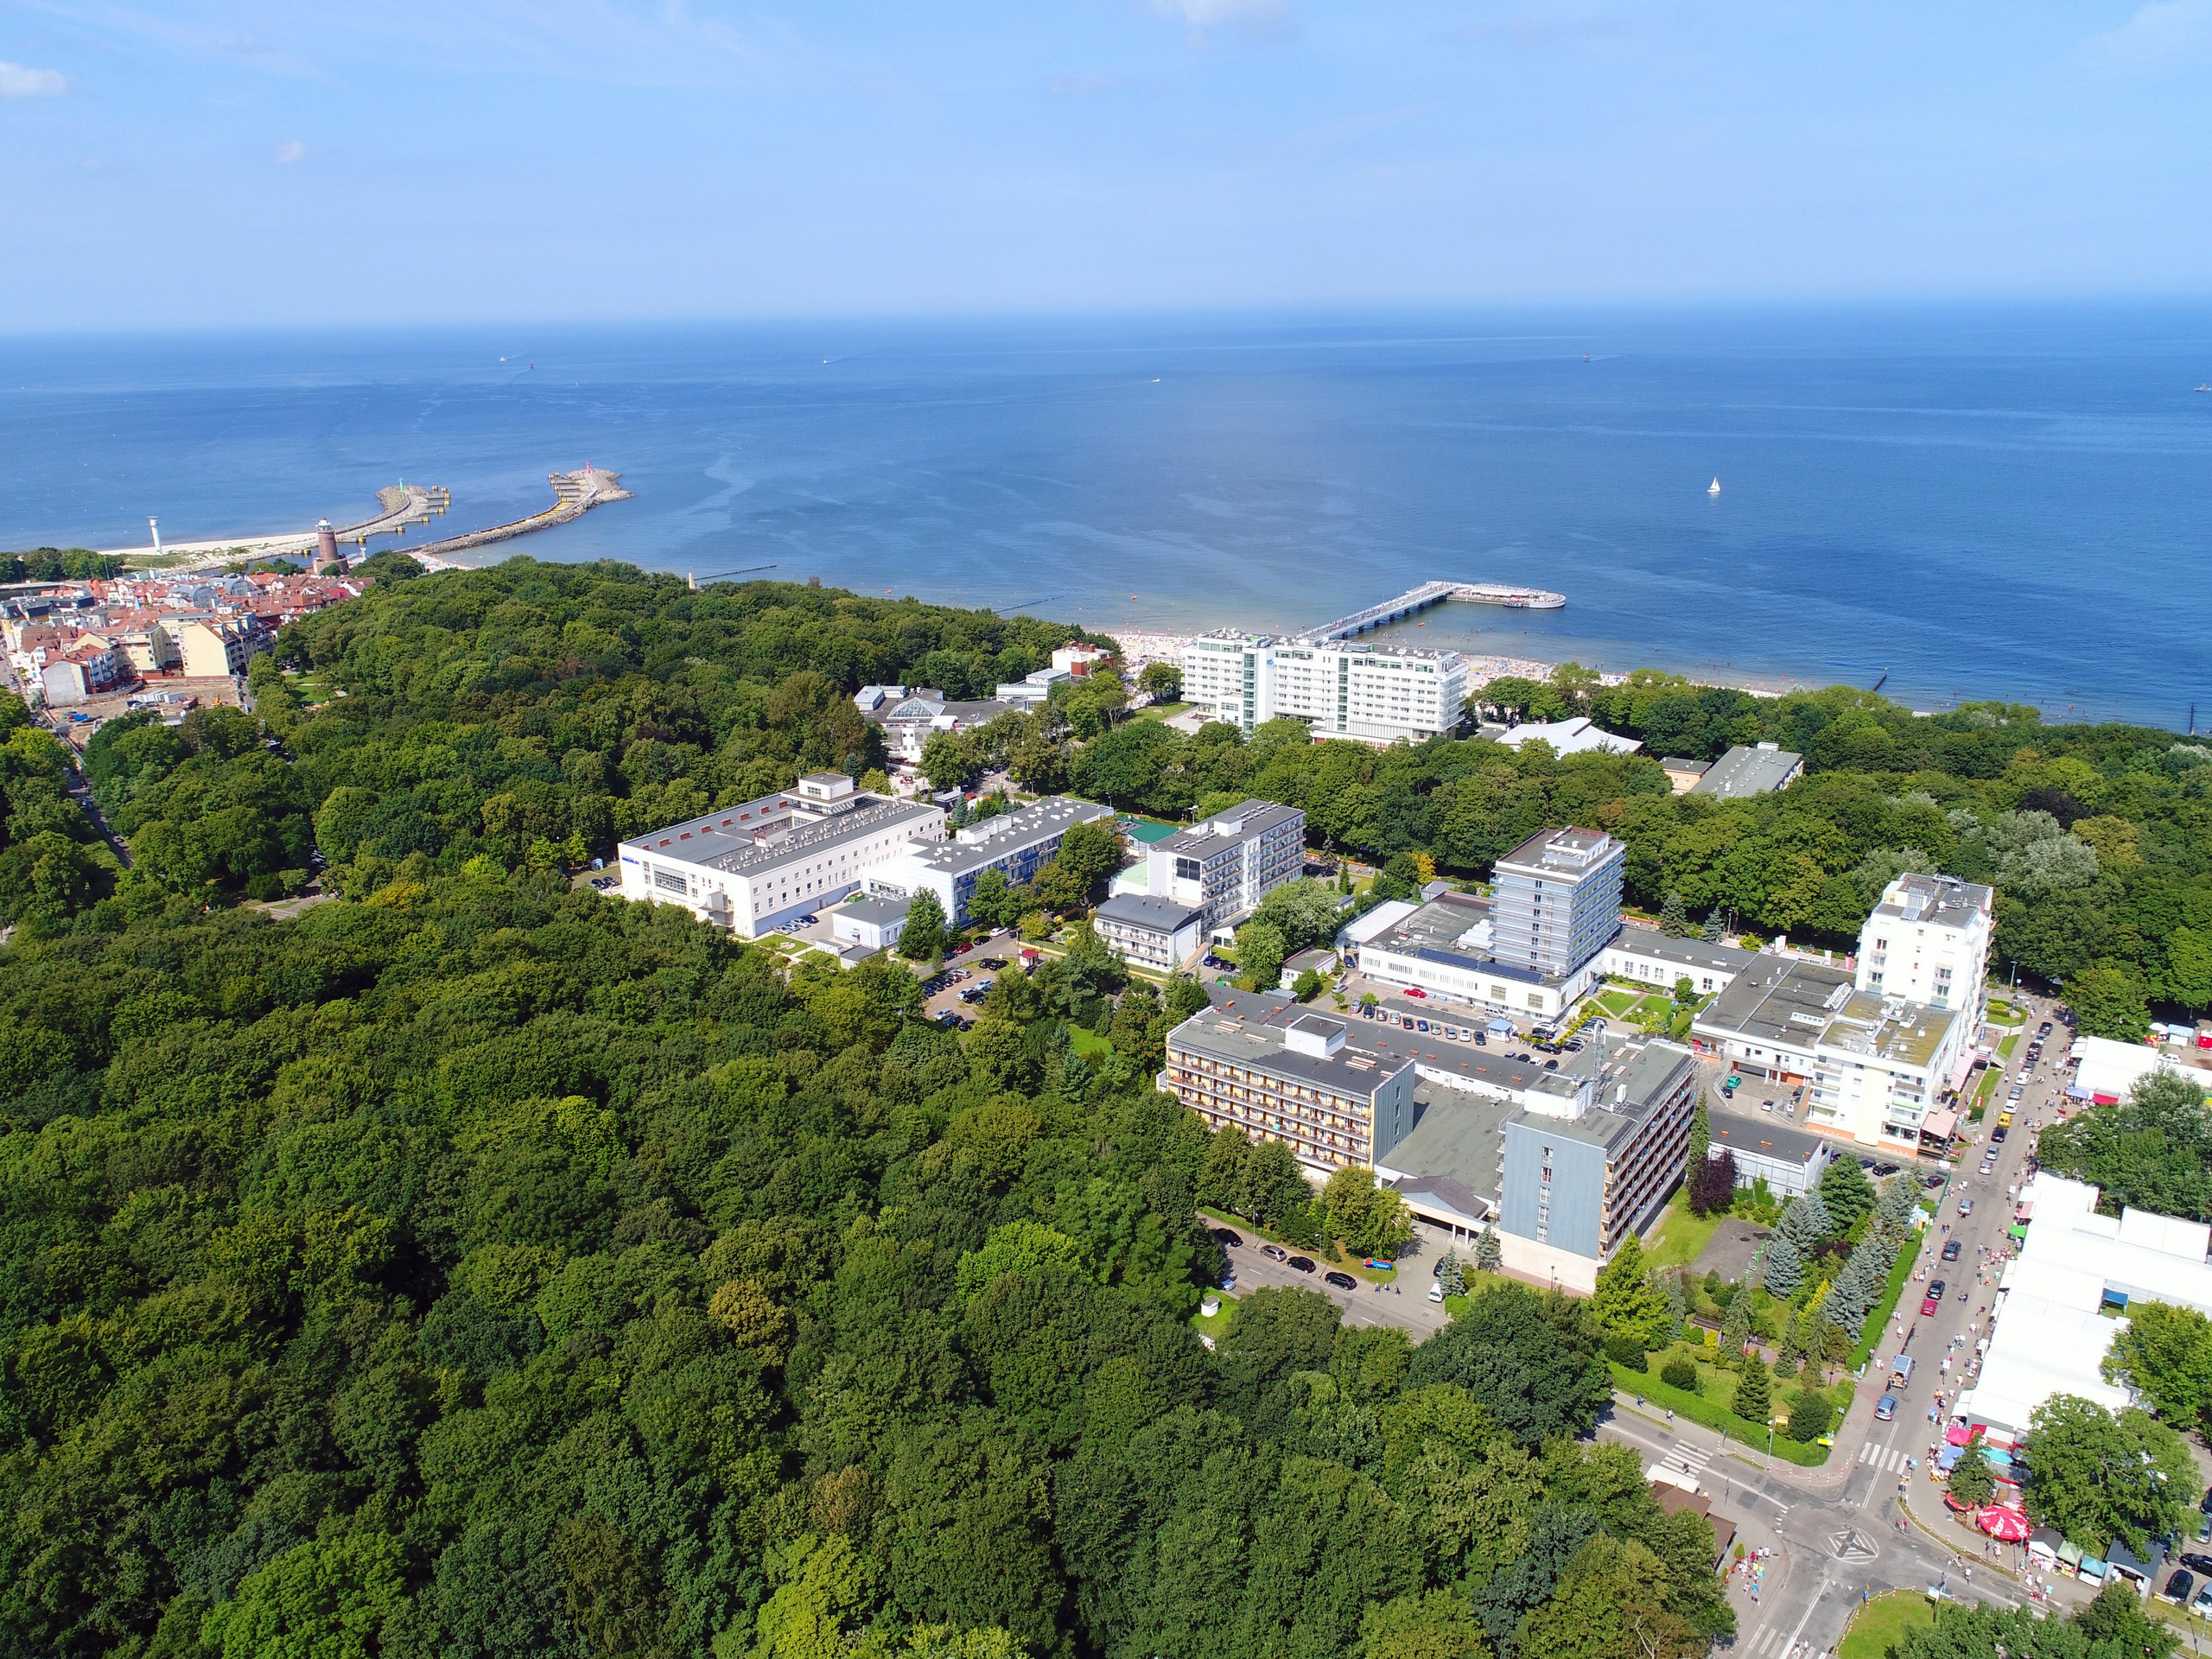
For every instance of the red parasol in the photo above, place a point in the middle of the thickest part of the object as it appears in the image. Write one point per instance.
(2007, 1525)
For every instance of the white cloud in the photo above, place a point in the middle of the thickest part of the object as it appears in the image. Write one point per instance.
(16, 81)
(290, 152)
(2161, 34)
(1256, 18)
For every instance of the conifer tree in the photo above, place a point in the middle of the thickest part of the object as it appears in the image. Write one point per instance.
(1673, 919)
(1490, 1255)
(1713, 933)
(1735, 1324)
(1450, 1277)
(1754, 1401)
(1783, 1268)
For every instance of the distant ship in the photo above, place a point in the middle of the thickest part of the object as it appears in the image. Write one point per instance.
(1713, 488)
(2204, 387)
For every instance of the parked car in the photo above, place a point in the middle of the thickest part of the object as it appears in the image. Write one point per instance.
(1934, 1181)
(2178, 1588)
(2196, 1563)
(1415, 990)
(2044, 1030)
(1301, 1263)
(1275, 1252)
(1934, 1296)
(2202, 1605)
(1997, 1136)
(1341, 1280)
(1951, 1250)
(1436, 1290)
(1885, 1408)
(1228, 1235)
(1883, 1172)
(1966, 1207)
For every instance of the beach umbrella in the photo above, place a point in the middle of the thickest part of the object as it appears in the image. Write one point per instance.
(2007, 1525)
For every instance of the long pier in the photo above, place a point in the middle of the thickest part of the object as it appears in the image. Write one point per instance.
(574, 495)
(1433, 593)
(402, 505)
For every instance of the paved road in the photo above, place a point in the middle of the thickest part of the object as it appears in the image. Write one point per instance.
(1835, 1528)
(1407, 1307)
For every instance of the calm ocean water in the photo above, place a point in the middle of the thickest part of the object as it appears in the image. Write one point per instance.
(2011, 504)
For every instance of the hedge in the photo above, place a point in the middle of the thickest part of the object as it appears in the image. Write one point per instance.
(1870, 1336)
(1698, 1409)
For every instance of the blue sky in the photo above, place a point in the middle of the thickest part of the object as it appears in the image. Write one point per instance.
(183, 163)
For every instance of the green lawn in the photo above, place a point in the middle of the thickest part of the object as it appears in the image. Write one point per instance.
(1218, 1327)
(1087, 1042)
(1682, 1237)
(2005, 1049)
(1882, 1623)
(1159, 711)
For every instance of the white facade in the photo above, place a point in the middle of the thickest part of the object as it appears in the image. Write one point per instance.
(1226, 865)
(1558, 899)
(2055, 1308)
(1653, 959)
(1928, 941)
(1374, 694)
(1155, 933)
(1016, 844)
(752, 867)
(1574, 736)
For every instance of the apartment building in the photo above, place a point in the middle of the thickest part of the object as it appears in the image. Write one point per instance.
(752, 867)
(1371, 693)
(1017, 845)
(85, 669)
(1875, 1069)
(1928, 941)
(1150, 933)
(1226, 865)
(210, 649)
(1278, 1071)
(1652, 958)
(1557, 899)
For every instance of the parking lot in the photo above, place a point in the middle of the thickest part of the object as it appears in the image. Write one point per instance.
(1404, 1304)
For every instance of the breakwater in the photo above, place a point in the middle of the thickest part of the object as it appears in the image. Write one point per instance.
(574, 495)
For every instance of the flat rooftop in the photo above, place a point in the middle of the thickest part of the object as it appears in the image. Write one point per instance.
(1239, 823)
(1777, 1001)
(1907, 1033)
(985, 843)
(1938, 900)
(777, 828)
(1149, 911)
(1561, 853)
(1690, 953)
(1249, 1030)
(1748, 770)
(1767, 1137)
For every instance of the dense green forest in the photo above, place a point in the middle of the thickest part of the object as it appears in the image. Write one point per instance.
(476, 1265)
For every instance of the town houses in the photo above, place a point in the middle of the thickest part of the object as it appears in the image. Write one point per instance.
(78, 640)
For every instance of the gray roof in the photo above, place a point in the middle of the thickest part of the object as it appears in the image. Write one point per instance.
(1943, 900)
(1561, 853)
(1691, 953)
(1650, 1070)
(1765, 1136)
(1458, 1139)
(1149, 912)
(882, 912)
(724, 841)
(1777, 1001)
(1238, 1031)
(1742, 772)
(994, 839)
(1257, 817)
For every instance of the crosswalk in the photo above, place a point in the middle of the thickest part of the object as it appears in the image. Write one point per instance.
(1890, 1459)
(1768, 1642)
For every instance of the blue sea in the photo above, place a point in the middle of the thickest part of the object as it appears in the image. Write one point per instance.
(2011, 503)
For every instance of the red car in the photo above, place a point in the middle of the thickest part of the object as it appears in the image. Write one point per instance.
(1415, 990)
(1931, 1302)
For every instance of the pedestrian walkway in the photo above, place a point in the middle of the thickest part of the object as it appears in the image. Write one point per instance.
(1890, 1459)
(1769, 1641)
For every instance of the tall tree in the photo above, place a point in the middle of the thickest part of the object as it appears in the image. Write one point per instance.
(1673, 916)
(1625, 1303)
(922, 937)
(1754, 1398)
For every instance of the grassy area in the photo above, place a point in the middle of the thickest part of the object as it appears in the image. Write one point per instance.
(2004, 1048)
(2002, 1013)
(1882, 1623)
(1158, 711)
(1682, 1237)
(1218, 1327)
(1087, 1043)
(1702, 1409)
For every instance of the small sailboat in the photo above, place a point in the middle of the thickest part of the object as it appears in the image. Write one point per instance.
(1713, 488)
(2205, 388)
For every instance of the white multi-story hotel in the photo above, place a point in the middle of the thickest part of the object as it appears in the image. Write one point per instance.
(1223, 867)
(1341, 689)
(752, 867)
(1928, 941)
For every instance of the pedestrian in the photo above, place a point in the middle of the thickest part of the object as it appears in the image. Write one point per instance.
(1671, 1416)
(1639, 1400)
